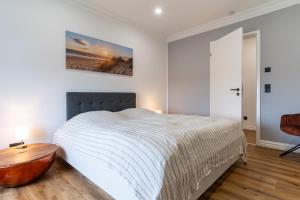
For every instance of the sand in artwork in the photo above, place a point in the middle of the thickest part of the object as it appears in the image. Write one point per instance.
(86, 53)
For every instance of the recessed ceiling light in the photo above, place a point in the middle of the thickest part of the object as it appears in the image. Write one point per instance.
(158, 10)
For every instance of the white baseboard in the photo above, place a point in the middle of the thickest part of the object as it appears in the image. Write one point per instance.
(276, 145)
(250, 128)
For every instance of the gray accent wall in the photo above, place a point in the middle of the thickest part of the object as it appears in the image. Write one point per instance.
(280, 49)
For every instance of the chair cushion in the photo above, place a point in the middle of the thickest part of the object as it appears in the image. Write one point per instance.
(290, 120)
(292, 130)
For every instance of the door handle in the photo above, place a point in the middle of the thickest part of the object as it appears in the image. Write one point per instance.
(236, 89)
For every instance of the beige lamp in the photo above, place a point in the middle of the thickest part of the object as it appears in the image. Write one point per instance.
(158, 111)
(21, 134)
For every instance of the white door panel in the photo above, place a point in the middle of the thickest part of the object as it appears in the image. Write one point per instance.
(226, 74)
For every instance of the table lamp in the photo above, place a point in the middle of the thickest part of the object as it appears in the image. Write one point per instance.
(158, 111)
(21, 134)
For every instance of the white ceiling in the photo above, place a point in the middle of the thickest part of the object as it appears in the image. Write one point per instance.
(177, 16)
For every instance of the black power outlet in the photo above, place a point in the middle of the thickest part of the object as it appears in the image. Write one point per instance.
(267, 88)
(267, 69)
(245, 118)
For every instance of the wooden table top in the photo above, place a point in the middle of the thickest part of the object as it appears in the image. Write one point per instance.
(11, 156)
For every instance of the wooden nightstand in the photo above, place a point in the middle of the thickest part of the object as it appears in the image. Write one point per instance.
(21, 166)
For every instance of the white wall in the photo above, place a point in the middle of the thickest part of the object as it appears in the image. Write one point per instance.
(33, 78)
(249, 82)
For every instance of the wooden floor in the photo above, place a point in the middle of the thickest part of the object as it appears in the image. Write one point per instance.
(265, 177)
(251, 136)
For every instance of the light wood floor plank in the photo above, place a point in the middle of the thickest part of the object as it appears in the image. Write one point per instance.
(251, 136)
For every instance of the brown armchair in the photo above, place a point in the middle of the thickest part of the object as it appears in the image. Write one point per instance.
(290, 124)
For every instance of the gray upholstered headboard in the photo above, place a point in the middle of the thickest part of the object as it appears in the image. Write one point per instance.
(80, 102)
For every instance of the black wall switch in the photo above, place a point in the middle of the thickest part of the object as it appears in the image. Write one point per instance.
(267, 88)
(267, 69)
(245, 118)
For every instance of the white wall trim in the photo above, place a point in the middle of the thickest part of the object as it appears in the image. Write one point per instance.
(238, 17)
(258, 90)
(276, 145)
(167, 80)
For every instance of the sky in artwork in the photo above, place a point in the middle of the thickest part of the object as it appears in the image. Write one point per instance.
(99, 47)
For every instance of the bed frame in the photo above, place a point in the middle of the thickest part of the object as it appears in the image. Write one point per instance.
(79, 102)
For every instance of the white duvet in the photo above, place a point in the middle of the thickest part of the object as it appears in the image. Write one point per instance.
(162, 157)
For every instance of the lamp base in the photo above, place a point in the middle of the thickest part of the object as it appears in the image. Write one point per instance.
(16, 144)
(21, 146)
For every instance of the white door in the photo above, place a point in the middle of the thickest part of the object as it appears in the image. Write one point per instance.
(226, 76)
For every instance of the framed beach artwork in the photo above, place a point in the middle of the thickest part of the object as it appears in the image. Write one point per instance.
(86, 53)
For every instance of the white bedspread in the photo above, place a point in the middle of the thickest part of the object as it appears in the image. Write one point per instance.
(162, 157)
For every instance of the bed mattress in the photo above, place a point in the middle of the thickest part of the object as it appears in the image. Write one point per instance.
(150, 156)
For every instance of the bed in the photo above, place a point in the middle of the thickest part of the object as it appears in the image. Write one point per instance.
(137, 154)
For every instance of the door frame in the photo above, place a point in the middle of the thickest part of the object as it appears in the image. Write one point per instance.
(258, 87)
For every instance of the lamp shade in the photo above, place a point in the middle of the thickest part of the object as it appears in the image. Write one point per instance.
(158, 111)
(21, 133)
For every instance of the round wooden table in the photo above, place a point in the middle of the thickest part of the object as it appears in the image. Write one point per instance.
(21, 166)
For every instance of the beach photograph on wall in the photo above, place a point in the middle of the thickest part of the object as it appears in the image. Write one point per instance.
(86, 53)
